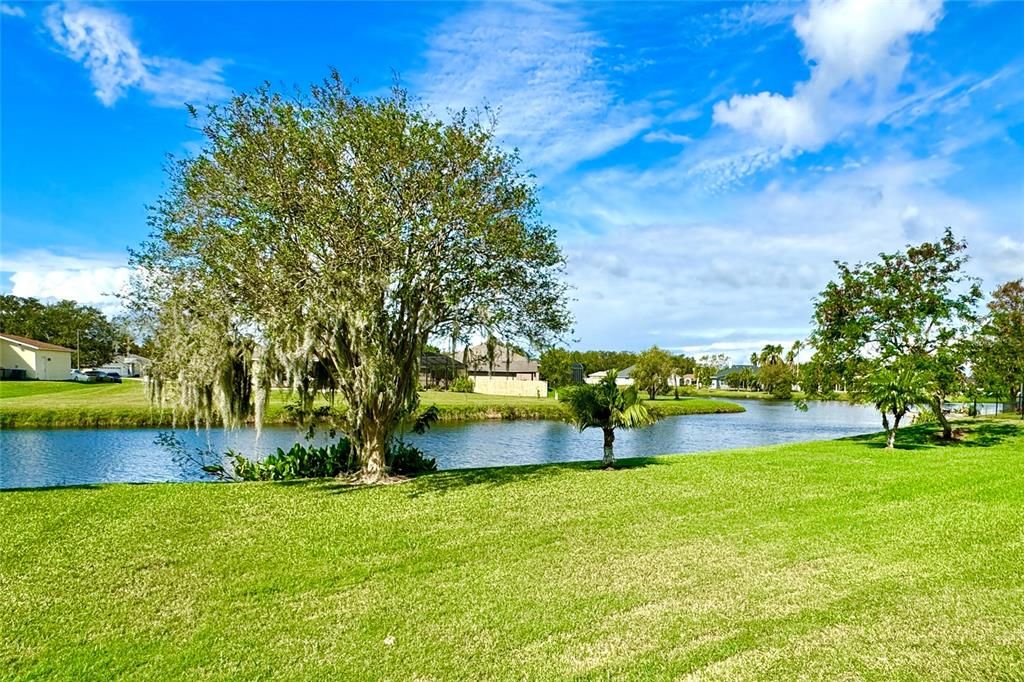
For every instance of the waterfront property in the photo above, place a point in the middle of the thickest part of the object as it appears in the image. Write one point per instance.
(25, 358)
(833, 560)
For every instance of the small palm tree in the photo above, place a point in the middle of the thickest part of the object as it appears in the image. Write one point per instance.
(895, 392)
(606, 406)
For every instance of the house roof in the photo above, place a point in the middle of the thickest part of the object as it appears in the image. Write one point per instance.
(435, 361)
(132, 357)
(621, 374)
(728, 371)
(33, 343)
(476, 360)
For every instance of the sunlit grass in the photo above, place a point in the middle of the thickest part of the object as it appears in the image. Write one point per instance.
(829, 560)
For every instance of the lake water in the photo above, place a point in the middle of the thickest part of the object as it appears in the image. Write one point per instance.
(31, 458)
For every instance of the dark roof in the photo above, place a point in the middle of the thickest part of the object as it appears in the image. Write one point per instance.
(477, 360)
(728, 371)
(436, 361)
(32, 343)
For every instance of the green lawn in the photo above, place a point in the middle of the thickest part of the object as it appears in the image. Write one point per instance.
(46, 404)
(829, 560)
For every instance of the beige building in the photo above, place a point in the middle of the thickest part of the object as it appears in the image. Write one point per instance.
(37, 359)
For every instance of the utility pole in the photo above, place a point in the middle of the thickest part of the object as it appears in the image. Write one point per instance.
(78, 347)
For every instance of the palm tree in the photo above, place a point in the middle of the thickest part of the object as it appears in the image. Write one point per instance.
(895, 391)
(771, 355)
(605, 406)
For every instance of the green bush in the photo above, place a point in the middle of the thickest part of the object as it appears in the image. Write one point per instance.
(300, 461)
(408, 460)
(924, 415)
(461, 385)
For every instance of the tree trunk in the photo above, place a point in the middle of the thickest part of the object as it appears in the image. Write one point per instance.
(609, 455)
(372, 447)
(947, 429)
(891, 441)
(890, 433)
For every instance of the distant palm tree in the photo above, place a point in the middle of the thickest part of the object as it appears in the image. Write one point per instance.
(895, 392)
(606, 406)
(771, 355)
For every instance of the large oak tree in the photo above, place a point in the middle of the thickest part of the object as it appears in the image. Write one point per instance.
(321, 239)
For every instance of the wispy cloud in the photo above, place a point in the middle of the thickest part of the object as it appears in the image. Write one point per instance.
(11, 10)
(540, 67)
(101, 40)
(666, 136)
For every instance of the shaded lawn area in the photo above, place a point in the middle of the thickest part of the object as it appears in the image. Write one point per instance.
(49, 404)
(822, 560)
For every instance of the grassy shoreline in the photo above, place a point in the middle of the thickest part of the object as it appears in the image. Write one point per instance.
(47, 405)
(834, 559)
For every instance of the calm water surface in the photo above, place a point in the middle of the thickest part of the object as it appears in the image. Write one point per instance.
(67, 457)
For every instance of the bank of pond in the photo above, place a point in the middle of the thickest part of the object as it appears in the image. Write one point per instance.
(46, 457)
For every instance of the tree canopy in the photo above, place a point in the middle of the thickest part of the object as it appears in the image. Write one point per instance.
(652, 370)
(321, 239)
(912, 308)
(998, 359)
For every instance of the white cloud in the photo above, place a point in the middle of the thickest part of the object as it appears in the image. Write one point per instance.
(11, 10)
(538, 65)
(857, 50)
(93, 279)
(666, 136)
(101, 40)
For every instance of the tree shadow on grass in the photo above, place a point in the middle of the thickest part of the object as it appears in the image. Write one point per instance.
(968, 434)
(448, 480)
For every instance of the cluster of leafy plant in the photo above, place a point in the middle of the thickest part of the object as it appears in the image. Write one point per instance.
(300, 461)
(328, 461)
(461, 385)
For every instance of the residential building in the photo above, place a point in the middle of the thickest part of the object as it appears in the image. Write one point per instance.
(506, 362)
(721, 378)
(25, 358)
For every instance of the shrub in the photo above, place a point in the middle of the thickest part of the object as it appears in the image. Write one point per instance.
(461, 385)
(408, 460)
(300, 461)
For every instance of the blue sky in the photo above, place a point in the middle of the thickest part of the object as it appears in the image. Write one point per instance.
(703, 163)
